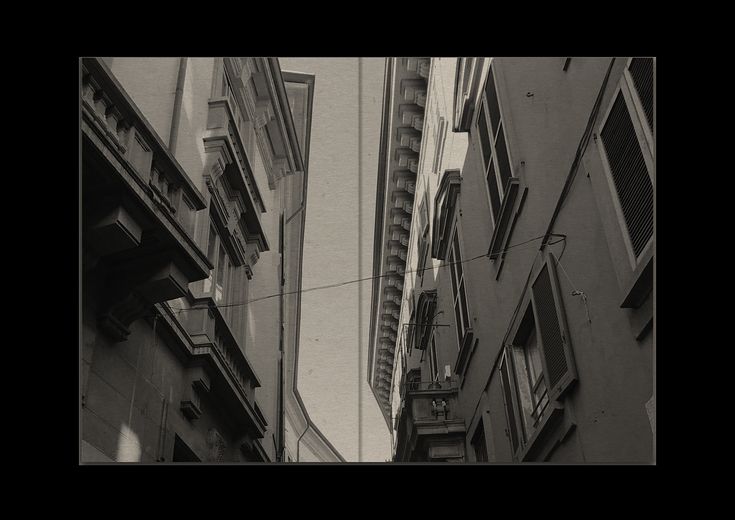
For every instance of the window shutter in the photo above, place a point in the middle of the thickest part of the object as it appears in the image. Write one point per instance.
(641, 70)
(558, 361)
(509, 407)
(629, 173)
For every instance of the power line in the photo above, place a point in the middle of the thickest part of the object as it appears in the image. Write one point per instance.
(357, 280)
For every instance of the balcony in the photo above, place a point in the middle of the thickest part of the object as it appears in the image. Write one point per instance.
(230, 375)
(428, 424)
(138, 208)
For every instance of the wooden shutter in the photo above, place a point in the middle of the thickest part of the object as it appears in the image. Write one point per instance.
(510, 411)
(641, 70)
(630, 174)
(557, 357)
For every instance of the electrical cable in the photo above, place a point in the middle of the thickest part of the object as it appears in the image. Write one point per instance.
(348, 282)
(581, 148)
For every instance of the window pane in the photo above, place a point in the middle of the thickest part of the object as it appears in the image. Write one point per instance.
(478, 443)
(503, 162)
(524, 389)
(484, 136)
(452, 260)
(492, 100)
(492, 184)
(432, 360)
(211, 244)
(463, 307)
(509, 403)
(458, 322)
(533, 357)
(220, 276)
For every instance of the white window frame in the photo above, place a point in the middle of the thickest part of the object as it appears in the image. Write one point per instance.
(646, 143)
(227, 270)
(433, 360)
(521, 355)
(456, 238)
(493, 134)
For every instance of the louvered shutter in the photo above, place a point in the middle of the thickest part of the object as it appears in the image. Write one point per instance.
(557, 358)
(641, 70)
(630, 174)
(509, 406)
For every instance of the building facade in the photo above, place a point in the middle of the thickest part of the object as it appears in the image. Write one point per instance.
(193, 178)
(512, 315)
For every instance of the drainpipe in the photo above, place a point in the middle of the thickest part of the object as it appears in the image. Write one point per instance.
(298, 442)
(178, 96)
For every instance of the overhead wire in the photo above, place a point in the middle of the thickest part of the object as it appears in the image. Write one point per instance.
(357, 280)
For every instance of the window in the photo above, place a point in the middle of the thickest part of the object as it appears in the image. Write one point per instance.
(478, 443)
(217, 285)
(433, 365)
(221, 272)
(440, 134)
(461, 312)
(424, 239)
(211, 248)
(627, 149)
(526, 363)
(495, 157)
(537, 366)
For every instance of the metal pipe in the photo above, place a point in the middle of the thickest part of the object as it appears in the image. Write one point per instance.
(178, 96)
(298, 442)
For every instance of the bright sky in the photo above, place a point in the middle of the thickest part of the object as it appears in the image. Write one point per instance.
(338, 246)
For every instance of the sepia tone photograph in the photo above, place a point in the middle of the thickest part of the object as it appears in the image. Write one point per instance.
(344, 260)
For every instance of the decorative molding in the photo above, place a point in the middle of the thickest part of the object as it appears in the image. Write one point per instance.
(197, 384)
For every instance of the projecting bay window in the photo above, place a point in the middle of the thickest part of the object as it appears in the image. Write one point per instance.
(537, 367)
(459, 295)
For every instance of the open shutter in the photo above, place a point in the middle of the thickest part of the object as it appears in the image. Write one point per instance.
(557, 358)
(509, 406)
(629, 173)
(641, 70)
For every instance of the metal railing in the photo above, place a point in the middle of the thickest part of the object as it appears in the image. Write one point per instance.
(428, 385)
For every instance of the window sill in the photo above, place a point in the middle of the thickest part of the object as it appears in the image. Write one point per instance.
(642, 282)
(542, 436)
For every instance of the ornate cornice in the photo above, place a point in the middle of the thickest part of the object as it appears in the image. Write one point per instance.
(259, 83)
(403, 122)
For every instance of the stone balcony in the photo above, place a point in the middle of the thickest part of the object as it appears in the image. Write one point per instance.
(138, 208)
(428, 425)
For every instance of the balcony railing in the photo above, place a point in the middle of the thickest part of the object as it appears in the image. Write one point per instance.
(430, 400)
(429, 410)
(110, 109)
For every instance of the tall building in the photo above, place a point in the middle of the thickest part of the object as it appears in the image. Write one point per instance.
(512, 309)
(194, 177)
